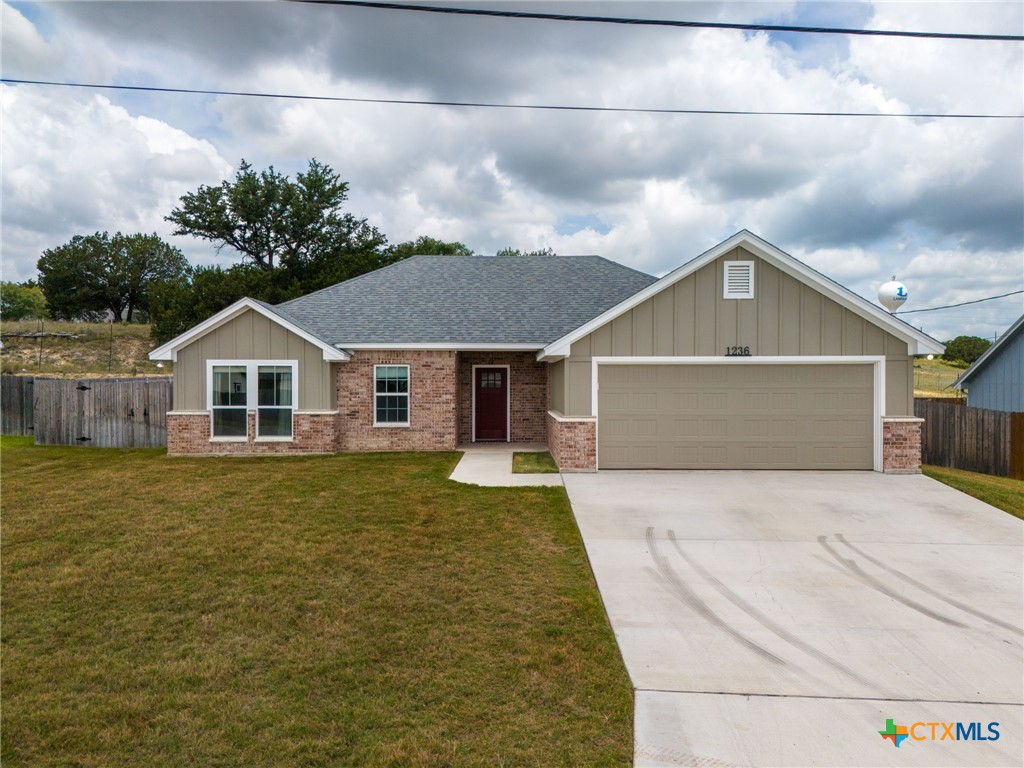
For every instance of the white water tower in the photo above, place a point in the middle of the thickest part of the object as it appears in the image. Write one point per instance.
(892, 295)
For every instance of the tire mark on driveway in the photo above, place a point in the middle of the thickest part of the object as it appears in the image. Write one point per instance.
(764, 620)
(925, 588)
(852, 567)
(678, 588)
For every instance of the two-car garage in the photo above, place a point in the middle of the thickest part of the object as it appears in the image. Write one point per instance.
(736, 415)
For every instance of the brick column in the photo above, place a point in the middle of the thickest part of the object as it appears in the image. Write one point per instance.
(901, 445)
(573, 442)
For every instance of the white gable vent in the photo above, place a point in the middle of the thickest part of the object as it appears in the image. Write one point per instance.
(739, 280)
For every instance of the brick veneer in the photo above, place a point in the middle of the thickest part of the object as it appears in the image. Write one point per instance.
(573, 443)
(528, 380)
(433, 404)
(901, 445)
(189, 433)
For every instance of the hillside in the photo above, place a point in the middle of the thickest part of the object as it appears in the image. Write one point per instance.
(934, 378)
(80, 349)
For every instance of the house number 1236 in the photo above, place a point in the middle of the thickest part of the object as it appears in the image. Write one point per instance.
(737, 351)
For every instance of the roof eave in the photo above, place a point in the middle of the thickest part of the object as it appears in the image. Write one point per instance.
(169, 351)
(989, 353)
(917, 342)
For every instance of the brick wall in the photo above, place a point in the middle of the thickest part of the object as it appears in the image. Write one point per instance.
(901, 445)
(189, 433)
(528, 380)
(433, 406)
(573, 444)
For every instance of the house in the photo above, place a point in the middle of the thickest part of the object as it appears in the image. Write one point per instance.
(743, 358)
(996, 379)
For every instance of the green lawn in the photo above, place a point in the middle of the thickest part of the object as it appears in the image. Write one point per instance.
(533, 463)
(934, 378)
(340, 610)
(1001, 492)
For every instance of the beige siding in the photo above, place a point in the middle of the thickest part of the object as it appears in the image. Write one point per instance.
(556, 386)
(251, 336)
(785, 317)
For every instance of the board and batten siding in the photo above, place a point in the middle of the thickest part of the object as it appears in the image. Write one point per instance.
(251, 336)
(785, 317)
(999, 386)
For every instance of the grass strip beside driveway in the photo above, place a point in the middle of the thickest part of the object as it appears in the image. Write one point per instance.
(1002, 492)
(339, 610)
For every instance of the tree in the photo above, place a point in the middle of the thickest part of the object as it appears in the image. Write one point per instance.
(966, 348)
(275, 222)
(21, 301)
(97, 274)
(425, 245)
(510, 251)
(176, 306)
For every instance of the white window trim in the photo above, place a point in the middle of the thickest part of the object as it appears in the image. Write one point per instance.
(508, 403)
(251, 398)
(725, 280)
(408, 396)
(876, 361)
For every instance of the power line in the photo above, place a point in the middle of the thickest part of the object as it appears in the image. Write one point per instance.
(661, 22)
(498, 105)
(961, 304)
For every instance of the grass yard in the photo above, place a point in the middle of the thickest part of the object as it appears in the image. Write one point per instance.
(315, 611)
(533, 463)
(1001, 492)
(934, 378)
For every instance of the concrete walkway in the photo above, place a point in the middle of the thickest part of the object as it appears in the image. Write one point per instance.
(491, 464)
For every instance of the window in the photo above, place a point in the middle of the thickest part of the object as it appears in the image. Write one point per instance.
(391, 395)
(237, 387)
(229, 401)
(274, 409)
(738, 281)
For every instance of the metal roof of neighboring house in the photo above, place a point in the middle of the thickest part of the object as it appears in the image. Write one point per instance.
(990, 354)
(457, 300)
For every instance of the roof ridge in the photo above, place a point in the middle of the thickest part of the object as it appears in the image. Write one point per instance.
(352, 279)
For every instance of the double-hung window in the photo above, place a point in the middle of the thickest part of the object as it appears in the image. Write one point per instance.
(238, 387)
(391, 395)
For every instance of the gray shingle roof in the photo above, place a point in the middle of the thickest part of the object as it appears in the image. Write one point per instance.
(466, 300)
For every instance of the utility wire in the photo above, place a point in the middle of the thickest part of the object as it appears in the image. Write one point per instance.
(660, 22)
(961, 304)
(497, 105)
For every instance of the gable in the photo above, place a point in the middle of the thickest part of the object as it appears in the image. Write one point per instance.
(692, 317)
(250, 335)
(745, 246)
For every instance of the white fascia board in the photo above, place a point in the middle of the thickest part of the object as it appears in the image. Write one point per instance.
(446, 347)
(982, 361)
(169, 351)
(917, 342)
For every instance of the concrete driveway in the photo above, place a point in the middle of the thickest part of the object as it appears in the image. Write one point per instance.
(781, 618)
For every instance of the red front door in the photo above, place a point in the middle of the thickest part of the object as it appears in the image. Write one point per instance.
(490, 386)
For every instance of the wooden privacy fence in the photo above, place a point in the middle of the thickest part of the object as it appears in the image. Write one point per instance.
(16, 405)
(975, 439)
(103, 413)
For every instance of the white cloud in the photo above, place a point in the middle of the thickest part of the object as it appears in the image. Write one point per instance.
(855, 198)
(80, 165)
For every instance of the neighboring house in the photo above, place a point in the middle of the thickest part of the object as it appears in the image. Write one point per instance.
(996, 379)
(743, 358)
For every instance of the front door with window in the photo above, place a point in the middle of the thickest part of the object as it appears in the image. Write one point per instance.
(491, 403)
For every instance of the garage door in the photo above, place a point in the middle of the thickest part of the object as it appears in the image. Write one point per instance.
(735, 416)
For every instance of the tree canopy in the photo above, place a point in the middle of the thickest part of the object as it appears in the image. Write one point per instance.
(275, 222)
(510, 251)
(966, 349)
(21, 301)
(93, 275)
(425, 245)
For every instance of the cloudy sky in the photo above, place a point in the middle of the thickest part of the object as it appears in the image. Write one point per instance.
(940, 203)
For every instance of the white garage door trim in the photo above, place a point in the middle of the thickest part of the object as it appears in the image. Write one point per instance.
(876, 361)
